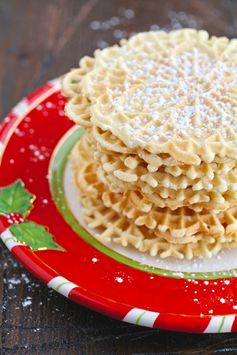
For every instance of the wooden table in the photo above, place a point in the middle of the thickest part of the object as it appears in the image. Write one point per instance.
(40, 40)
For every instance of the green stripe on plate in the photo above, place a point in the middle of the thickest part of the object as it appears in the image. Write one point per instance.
(221, 325)
(140, 317)
(62, 284)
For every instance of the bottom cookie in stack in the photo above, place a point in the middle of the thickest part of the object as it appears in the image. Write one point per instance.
(115, 217)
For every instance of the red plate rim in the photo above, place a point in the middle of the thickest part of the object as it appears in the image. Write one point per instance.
(164, 320)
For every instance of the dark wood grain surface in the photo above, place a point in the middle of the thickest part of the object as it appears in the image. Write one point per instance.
(39, 40)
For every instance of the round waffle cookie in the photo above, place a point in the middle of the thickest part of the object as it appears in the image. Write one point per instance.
(164, 197)
(172, 93)
(208, 186)
(107, 142)
(115, 227)
(131, 169)
(127, 220)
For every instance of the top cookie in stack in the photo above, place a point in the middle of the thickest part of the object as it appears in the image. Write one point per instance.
(161, 114)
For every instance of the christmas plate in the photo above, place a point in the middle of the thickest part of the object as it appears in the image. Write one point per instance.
(40, 223)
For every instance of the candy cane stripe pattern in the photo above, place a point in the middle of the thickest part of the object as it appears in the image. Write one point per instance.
(220, 324)
(61, 285)
(141, 317)
(9, 240)
(56, 83)
(1, 148)
(21, 108)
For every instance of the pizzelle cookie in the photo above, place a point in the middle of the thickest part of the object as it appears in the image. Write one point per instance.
(165, 197)
(111, 226)
(168, 93)
(157, 164)
(132, 170)
(181, 233)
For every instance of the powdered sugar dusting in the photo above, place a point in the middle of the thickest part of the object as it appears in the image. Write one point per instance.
(181, 90)
(27, 301)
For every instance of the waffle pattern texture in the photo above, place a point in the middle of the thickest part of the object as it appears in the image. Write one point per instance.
(156, 168)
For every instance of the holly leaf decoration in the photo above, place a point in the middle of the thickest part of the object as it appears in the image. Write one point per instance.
(15, 199)
(34, 236)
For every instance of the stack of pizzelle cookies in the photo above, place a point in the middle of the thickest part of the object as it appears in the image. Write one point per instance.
(157, 165)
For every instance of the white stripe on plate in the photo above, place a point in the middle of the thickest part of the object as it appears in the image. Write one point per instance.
(220, 324)
(141, 317)
(21, 108)
(9, 240)
(61, 285)
(1, 148)
(56, 83)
